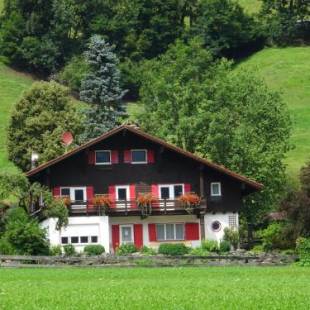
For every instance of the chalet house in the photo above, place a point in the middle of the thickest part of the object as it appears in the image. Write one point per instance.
(125, 163)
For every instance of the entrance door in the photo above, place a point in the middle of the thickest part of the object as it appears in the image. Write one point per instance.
(170, 192)
(126, 234)
(122, 194)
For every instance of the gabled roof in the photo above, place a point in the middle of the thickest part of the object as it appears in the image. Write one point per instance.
(139, 132)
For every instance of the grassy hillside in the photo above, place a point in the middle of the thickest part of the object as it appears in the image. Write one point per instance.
(12, 84)
(287, 70)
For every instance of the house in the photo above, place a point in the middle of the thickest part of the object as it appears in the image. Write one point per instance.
(125, 163)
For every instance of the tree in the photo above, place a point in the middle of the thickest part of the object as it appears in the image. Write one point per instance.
(101, 88)
(231, 117)
(226, 29)
(37, 122)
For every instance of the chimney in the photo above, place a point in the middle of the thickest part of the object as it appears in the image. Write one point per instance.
(34, 160)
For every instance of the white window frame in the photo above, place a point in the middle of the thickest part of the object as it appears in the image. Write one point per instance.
(171, 189)
(138, 162)
(117, 187)
(79, 240)
(220, 189)
(72, 189)
(174, 229)
(107, 163)
(132, 234)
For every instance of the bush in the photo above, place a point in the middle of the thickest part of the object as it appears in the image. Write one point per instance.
(303, 250)
(6, 248)
(126, 249)
(257, 249)
(173, 249)
(210, 245)
(69, 250)
(94, 249)
(148, 251)
(198, 251)
(224, 246)
(232, 236)
(273, 237)
(55, 250)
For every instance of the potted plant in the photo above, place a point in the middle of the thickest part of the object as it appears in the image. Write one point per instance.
(102, 202)
(189, 201)
(144, 202)
(67, 201)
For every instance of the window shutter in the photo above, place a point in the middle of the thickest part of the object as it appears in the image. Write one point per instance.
(138, 235)
(155, 194)
(132, 195)
(90, 196)
(91, 157)
(150, 156)
(56, 191)
(112, 195)
(187, 188)
(192, 231)
(115, 237)
(152, 232)
(114, 157)
(127, 156)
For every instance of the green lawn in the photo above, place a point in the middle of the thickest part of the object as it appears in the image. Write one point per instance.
(287, 70)
(166, 288)
(12, 84)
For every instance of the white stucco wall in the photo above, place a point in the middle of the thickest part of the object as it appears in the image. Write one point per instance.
(156, 220)
(223, 218)
(80, 226)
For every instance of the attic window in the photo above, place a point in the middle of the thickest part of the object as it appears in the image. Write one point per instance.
(139, 156)
(103, 157)
(216, 189)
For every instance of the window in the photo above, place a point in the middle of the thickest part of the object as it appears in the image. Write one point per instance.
(65, 191)
(232, 221)
(216, 226)
(64, 240)
(216, 189)
(84, 239)
(103, 157)
(167, 232)
(126, 234)
(139, 156)
(94, 239)
(74, 239)
(171, 191)
(74, 193)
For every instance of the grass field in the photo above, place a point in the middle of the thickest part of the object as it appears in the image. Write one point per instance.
(170, 288)
(12, 84)
(287, 70)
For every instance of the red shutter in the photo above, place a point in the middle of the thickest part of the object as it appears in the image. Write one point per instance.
(90, 196)
(127, 156)
(132, 195)
(150, 156)
(187, 188)
(138, 235)
(91, 157)
(155, 195)
(114, 157)
(192, 231)
(56, 191)
(115, 236)
(152, 232)
(112, 195)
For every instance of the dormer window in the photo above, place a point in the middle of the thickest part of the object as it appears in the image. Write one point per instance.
(138, 156)
(103, 157)
(216, 189)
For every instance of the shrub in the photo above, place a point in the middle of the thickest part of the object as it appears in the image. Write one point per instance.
(55, 250)
(210, 245)
(303, 250)
(224, 246)
(257, 249)
(94, 249)
(198, 251)
(69, 250)
(273, 237)
(173, 249)
(148, 251)
(6, 248)
(232, 236)
(126, 249)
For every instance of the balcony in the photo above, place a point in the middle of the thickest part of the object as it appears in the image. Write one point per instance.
(130, 208)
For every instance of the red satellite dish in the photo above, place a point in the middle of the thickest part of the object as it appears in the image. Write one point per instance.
(67, 138)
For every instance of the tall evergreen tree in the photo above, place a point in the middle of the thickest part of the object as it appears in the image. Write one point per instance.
(101, 89)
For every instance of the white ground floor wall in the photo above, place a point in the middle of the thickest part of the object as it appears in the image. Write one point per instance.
(101, 227)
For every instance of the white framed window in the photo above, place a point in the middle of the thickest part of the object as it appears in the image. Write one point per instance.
(77, 194)
(79, 240)
(126, 234)
(170, 231)
(103, 157)
(139, 156)
(216, 189)
(216, 226)
(122, 194)
(170, 191)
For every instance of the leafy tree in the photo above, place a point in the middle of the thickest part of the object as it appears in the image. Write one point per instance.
(225, 28)
(37, 122)
(203, 106)
(101, 88)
